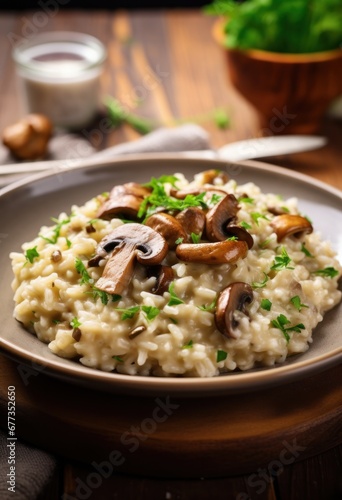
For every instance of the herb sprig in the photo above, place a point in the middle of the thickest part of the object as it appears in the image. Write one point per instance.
(281, 323)
(86, 279)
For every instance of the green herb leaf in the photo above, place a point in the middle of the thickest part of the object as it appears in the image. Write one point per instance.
(82, 270)
(215, 199)
(245, 225)
(306, 251)
(264, 244)
(221, 118)
(68, 242)
(118, 358)
(150, 311)
(281, 261)
(257, 215)
(75, 323)
(189, 345)
(232, 238)
(266, 304)
(328, 272)
(174, 300)
(281, 323)
(260, 284)
(118, 115)
(31, 254)
(221, 355)
(56, 230)
(196, 238)
(179, 241)
(174, 321)
(297, 303)
(209, 307)
(128, 313)
(246, 199)
(159, 199)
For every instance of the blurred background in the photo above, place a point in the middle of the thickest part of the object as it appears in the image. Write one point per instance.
(101, 4)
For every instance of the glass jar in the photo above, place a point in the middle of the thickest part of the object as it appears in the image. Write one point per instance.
(59, 76)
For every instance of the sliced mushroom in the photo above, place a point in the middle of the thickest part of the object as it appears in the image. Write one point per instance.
(183, 193)
(235, 297)
(219, 252)
(168, 226)
(124, 200)
(192, 220)
(209, 177)
(218, 217)
(290, 225)
(164, 275)
(240, 233)
(126, 245)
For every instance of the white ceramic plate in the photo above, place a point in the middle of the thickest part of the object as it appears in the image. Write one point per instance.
(29, 204)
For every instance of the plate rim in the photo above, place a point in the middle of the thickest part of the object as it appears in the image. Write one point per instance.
(186, 386)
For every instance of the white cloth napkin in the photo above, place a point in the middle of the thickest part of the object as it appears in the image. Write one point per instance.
(188, 137)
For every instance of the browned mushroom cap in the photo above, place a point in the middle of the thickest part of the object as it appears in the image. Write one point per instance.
(124, 200)
(219, 252)
(218, 217)
(290, 225)
(235, 297)
(164, 275)
(192, 220)
(168, 226)
(126, 244)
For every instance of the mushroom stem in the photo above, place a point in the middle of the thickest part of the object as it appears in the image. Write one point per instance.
(115, 279)
(220, 252)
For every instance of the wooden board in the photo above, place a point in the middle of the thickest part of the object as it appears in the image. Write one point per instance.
(211, 437)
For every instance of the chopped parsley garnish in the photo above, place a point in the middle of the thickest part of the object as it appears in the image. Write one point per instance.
(297, 303)
(82, 270)
(56, 321)
(163, 179)
(266, 304)
(328, 272)
(118, 358)
(179, 241)
(215, 199)
(174, 299)
(68, 242)
(264, 243)
(56, 230)
(31, 254)
(305, 250)
(232, 238)
(196, 238)
(246, 199)
(257, 215)
(260, 284)
(75, 323)
(281, 261)
(188, 345)
(285, 209)
(221, 355)
(245, 225)
(209, 307)
(158, 198)
(280, 323)
(150, 311)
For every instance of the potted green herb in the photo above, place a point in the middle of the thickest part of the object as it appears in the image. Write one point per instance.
(284, 56)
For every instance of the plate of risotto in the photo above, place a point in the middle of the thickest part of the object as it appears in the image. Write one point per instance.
(159, 274)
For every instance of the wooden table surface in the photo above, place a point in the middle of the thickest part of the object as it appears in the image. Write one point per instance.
(166, 66)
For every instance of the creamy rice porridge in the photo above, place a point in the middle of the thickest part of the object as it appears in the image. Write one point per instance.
(177, 278)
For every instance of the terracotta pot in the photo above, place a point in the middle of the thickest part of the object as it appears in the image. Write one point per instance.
(291, 92)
